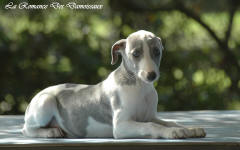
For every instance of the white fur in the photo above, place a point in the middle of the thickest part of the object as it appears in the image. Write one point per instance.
(133, 117)
(137, 116)
(110, 85)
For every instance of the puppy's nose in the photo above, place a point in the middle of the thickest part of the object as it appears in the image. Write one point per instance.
(151, 76)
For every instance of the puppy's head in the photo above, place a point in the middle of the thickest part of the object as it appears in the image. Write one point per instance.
(141, 53)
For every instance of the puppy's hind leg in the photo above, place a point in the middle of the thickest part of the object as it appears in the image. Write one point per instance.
(39, 116)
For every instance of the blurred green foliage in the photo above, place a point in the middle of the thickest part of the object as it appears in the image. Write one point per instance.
(40, 48)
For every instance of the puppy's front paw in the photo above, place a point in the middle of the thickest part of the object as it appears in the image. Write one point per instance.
(177, 133)
(197, 132)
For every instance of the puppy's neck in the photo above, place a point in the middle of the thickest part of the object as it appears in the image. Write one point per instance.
(124, 76)
(127, 71)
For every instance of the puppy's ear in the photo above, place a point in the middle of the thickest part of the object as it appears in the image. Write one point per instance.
(160, 42)
(116, 50)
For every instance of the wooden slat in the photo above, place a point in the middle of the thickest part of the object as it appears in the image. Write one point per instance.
(223, 132)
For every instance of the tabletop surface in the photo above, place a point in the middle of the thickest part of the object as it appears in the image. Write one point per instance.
(221, 127)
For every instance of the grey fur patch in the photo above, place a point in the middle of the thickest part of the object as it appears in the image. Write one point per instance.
(70, 85)
(153, 43)
(62, 106)
(134, 42)
(116, 102)
(102, 114)
(77, 106)
(123, 76)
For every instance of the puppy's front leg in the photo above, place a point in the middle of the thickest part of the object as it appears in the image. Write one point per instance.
(191, 132)
(133, 129)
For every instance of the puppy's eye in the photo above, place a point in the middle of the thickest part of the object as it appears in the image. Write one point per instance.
(136, 53)
(156, 51)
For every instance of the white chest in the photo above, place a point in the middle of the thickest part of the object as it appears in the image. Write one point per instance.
(139, 103)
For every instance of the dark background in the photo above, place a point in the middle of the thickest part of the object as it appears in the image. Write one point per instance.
(200, 68)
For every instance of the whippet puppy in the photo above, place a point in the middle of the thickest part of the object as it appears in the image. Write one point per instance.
(122, 106)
